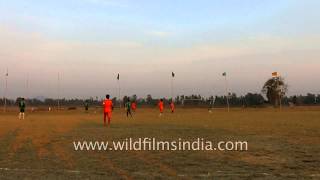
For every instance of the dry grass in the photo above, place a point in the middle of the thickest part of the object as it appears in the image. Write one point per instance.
(282, 144)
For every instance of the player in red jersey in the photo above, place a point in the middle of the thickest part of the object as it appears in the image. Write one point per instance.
(172, 106)
(108, 107)
(160, 105)
(134, 106)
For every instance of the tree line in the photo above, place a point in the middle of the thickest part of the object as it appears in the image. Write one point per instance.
(274, 89)
(248, 100)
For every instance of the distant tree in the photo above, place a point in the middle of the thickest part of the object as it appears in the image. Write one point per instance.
(233, 99)
(310, 99)
(219, 101)
(253, 99)
(50, 102)
(275, 89)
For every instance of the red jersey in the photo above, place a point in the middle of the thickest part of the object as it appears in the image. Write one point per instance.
(107, 104)
(133, 106)
(160, 104)
(172, 106)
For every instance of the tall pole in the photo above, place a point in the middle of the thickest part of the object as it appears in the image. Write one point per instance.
(172, 88)
(5, 91)
(172, 79)
(27, 86)
(227, 92)
(119, 94)
(119, 89)
(58, 91)
(212, 101)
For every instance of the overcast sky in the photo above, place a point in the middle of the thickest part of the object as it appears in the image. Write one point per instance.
(90, 41)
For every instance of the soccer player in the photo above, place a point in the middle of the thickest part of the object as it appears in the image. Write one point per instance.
(134, 106)
(22, 106)
(108, 107)
(86, 105)
(172, 106)
(160, 105)
(128, 107)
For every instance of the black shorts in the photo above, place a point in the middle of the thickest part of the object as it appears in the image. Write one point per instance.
(22, 110)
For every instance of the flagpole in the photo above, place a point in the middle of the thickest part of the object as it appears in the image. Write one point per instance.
(27, 93)
(5, 91)
(119, 94)
(58, 91)
(171, 88)
(227, 91)
(119, 90)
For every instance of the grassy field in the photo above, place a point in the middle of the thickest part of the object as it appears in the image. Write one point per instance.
(281, 145)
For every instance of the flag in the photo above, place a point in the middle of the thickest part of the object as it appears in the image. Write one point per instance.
(275, 74)
(172, 74)
(224, 74)
(118, 77)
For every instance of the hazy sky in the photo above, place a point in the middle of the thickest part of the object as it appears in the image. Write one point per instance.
(90, 41)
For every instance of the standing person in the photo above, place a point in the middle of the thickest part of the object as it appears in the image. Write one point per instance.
(86, 105)
(108, 107)
(134, 106)
(160, 105)
(128, 107)
(172, 106)
(22, 106)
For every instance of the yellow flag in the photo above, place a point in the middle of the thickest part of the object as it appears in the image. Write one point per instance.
(275, 74)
